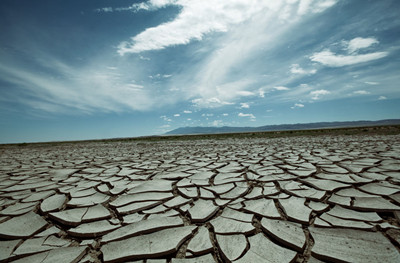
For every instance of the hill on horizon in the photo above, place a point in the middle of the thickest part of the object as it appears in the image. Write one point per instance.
(280, 127)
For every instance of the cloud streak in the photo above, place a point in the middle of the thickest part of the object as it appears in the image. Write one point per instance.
(330, 59)
(297, 105)
(296, 69)
(197, 18)
(359, 43)
(60, 87)
(316, 94)
(249, 115)
(361, 92)
(200, 17)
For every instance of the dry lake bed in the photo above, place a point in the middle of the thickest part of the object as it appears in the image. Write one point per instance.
(290, 199)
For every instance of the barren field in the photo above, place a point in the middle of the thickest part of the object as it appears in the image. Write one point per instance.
(318, 198)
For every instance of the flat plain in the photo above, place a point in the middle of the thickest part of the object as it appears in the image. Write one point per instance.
(305, 198)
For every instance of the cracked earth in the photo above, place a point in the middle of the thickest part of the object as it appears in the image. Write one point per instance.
(299, 199)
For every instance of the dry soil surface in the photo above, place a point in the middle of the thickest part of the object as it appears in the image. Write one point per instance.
(299, 199)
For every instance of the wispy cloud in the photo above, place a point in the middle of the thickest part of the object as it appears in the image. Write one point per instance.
(222, 77)
(218, 78)
(382, 98)
(330, 59)
(249, 115)
(187, 111)
(209, 103)
(220, 95)
(244, 105)
(200, 17)
(371, 83)
(280, 88)
(264, 90)
(196, 19)
(359, 43)
(297, 105)
(159, 76)
(57, 86)
(361, 92)
(316, 94)
(296, 69)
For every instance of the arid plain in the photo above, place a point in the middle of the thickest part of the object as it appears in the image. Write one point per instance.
(332, 198)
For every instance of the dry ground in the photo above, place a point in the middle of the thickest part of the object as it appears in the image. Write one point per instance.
(288, 199)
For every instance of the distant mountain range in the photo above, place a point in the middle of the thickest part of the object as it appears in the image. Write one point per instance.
(281, 127)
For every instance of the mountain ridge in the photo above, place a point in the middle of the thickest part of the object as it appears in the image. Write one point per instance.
(280, 127)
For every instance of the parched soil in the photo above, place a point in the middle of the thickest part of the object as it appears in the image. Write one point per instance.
(319, 198)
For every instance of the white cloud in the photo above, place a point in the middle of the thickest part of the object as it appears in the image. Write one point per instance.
(330, 59)
(358, 43)
(159, 76)
(264, 90)
(197, 18)
(297, 105)
(220, 78)
(220, 95)
(251, 26)
(135, 86)
(316, 94)
(177, 115)
(244, 105)
(209, 103)
(382, 98)
(225, 114)
(371, 83)
(281, 88)
(361, 92)
(200, 17)
(296, 69)
(251, 116)
(187, 111)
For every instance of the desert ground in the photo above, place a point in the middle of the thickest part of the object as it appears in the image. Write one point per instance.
(319, 198)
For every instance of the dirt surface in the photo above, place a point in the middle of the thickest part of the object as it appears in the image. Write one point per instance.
(332, 198)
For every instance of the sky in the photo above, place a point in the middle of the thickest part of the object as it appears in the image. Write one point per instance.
(93, 69)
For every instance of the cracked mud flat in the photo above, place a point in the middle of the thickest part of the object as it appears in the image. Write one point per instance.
(299, 199)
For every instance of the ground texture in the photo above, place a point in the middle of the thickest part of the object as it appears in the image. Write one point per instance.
(299, 199)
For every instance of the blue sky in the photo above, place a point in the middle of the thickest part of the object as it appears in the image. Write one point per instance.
(72, 70)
